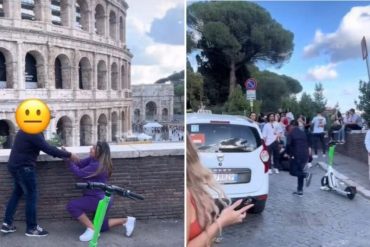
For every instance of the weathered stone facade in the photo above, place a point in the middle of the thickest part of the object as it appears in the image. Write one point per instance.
(152, 102)
(77, 49)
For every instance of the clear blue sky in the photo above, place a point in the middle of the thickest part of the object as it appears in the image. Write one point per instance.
(327, 38)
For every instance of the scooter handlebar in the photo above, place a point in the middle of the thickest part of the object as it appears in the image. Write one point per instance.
(111, 188)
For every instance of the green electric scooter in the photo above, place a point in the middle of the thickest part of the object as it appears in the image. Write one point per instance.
(329, 180)
(103, 204)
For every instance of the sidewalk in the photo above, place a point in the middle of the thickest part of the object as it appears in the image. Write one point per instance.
(150, 233)
(352, 172)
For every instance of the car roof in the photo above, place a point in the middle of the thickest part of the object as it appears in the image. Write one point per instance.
(193, 118)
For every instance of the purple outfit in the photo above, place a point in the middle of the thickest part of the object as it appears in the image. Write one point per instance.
(90, 199)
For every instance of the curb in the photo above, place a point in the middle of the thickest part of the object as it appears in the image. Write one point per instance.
(349, 182)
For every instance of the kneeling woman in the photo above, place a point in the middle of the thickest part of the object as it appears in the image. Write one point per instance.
(96, 168)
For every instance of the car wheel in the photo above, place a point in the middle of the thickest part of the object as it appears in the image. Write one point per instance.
(258, 208)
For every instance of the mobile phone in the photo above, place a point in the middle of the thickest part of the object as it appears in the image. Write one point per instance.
(246, 201)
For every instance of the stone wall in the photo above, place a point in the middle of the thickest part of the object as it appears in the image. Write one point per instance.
(354, 146)
(154, 172)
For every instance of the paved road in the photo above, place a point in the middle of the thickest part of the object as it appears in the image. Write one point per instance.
(150, 233)
(319, 218)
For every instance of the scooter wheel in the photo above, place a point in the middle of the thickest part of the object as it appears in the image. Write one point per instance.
(324, 181)
(352, 192)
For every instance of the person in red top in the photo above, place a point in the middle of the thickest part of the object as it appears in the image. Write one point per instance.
(204, 220)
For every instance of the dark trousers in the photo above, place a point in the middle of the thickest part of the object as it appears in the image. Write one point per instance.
(319, 137)
(24, 179)
(273, 150)
(296, 169)
(352, 127)
(88, 204)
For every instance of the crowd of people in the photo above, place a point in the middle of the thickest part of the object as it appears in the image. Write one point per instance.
(316, 129)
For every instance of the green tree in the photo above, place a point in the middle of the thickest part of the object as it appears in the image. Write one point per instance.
(179, 90)
(55, 140)
(292, 104)
(306, 106)
(319, 99)
(364, 100)
(234, 34)
(194, 90)
(237, 102)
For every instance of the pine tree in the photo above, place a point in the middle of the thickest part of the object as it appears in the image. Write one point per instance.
(319, 99)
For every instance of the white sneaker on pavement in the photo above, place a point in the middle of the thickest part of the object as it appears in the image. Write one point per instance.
(276, 170)
(87, 235)
(270, 171)
(315, 156)
(130, 225)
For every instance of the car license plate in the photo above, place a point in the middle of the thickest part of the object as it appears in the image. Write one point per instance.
(225, 178)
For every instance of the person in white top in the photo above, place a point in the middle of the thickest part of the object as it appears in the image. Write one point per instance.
(270, 134)
(318, 133)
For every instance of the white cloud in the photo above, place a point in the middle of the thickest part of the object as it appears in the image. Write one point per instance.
(142, 13)
(167, 55)
(152, 60)
(344, 43)
(324, 72)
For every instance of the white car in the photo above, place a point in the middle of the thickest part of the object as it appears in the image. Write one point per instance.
(233, 148)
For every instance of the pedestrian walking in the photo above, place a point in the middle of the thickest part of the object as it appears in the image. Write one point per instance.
(271, 134)
(298, 151)
(318, 134)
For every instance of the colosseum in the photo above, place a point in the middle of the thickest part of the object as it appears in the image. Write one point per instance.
(72, 54)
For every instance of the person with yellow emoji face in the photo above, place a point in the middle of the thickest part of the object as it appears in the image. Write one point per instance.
(33, 117)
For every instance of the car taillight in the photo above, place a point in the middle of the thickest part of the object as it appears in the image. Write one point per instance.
(265, 157)
(262, 197)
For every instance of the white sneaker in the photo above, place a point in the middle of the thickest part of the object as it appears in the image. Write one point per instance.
(276, 170)
(323, 155)
(270, 171)
(315, 156)
(309, 165)
(130, 225)
(87, 235)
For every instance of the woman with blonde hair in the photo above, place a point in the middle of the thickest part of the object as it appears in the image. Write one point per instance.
(204, 219)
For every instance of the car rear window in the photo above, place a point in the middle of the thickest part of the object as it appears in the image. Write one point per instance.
(230, 138)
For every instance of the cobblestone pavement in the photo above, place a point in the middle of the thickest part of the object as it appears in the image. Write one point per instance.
(319, 218)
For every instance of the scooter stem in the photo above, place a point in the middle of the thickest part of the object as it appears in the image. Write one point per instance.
(331, 154)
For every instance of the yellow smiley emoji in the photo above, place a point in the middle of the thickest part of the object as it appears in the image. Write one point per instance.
(32, 116)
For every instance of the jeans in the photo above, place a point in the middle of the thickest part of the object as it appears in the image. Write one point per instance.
(319, 137)
(273, 150)
(297, 169)
(24, 179)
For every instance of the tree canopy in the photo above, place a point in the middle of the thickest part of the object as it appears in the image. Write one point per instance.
(231, 35)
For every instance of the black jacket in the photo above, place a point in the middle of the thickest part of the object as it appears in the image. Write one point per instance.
(27, 147)
(297, 145)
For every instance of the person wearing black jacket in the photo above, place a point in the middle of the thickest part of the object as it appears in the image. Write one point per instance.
(298, 150)
(21, 165)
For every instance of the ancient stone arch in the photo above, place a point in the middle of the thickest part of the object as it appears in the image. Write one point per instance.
(62, 72)
(102, 127)
(102, 75)
(84, 74)
(65, 130)
(34, 70)
(86, 134)
(100, 20)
